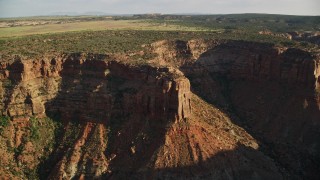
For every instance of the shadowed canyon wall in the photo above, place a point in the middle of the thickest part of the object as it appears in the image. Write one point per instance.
(273, 92)
(201, 109)
(87, 88)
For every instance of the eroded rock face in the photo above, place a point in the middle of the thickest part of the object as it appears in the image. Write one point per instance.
(273, 91)
(306, 36)
(121, 120)
(92, 89)
(261, 63)
(96, 92)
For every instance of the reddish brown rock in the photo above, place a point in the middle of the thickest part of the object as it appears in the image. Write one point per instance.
(142, 121)
(68, 84)
(272, 91)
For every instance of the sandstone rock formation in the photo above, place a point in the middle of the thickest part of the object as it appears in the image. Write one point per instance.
(312, 37)
(92, 88)
(203, 109)
(72, 83)
(272, 91)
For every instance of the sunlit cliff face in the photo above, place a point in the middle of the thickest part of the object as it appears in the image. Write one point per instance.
(199, 109)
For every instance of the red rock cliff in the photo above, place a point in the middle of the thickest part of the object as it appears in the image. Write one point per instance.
(91, 88)
(273, 91)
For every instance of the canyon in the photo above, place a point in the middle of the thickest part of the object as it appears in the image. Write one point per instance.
(206, 109)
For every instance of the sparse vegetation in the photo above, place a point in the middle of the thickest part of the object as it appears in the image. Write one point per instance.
(4, 122)
(18, 150)
(36, 144)
(240, 22)
(108, 42)
(127, 35)
(7, 83)
(34, 129)
(90, 26)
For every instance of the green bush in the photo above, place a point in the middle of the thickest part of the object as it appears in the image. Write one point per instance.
(4, 122)
(18, 150)
(34, 129)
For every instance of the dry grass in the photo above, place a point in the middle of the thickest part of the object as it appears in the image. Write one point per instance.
(90, 26)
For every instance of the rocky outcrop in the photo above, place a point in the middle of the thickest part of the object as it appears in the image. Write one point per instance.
(281, 35)
(121, 120)
(261, 62)
(91, 88)
(272, 91)
(178, 53)
(312, 37)
(96, 92)
(242, 60)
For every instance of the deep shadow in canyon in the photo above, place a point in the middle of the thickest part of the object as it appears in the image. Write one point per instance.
(133, 126)
(124, 106)
(106, 96)
(278, 106)
(240, 163)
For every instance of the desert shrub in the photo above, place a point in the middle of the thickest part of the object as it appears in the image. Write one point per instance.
(4, 122)
(34, 129)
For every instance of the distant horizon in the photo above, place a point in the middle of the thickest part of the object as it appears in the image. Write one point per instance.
(29, 8)
(75, 14)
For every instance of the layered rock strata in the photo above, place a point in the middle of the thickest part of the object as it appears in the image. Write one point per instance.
(123, 120)
(92, 88)
(272, 91)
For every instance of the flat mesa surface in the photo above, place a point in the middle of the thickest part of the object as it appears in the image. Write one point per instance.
(34, 36)
(90, 26)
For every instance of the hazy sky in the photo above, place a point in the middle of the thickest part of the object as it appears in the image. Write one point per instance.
(12, 8)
